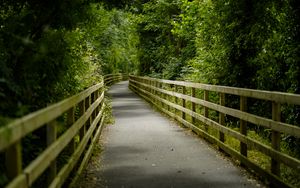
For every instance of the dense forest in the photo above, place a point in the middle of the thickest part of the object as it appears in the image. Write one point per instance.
(53, 49)
(50, 50)
(253, 44)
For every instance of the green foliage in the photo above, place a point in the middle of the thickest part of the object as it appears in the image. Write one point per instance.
(164, 49)
(51, 50)
(35, 54)
(246, 43)
(118, 42)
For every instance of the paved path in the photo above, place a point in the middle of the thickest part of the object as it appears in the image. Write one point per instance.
(145, 149)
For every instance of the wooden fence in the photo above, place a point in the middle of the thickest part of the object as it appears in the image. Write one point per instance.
(172, 98)
(81, 116)
(112, 78)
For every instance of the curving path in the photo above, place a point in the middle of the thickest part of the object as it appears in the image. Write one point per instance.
(145, 149)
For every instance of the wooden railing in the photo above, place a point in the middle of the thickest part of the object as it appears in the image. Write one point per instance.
(81, 116)
(112, 78)
(172, 98)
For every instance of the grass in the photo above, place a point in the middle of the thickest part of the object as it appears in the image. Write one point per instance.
(109, 119)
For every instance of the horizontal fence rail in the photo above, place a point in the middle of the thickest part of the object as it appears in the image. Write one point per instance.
(109, 79)
(82, 118)
(173, 97)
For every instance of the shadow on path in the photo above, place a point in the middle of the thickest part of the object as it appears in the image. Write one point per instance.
(145, 149)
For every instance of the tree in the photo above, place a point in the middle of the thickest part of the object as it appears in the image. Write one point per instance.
(160, 50)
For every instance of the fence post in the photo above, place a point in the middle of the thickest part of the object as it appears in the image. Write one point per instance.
(92, 101)
(132, 83)
(86, 107)
(243, 125)
(142, 86)
(95, 99)
(161, 85)
(135, 84)
(168, 98)
(276, 116)
(101, 103)
(158, 93)
(222, 117)
(193, 93)
(95, 112)
(163, 96)
(206, 98)
(13, 162)
(176, 99)
(154, 91)
(183, 115)
(70, 121)
(51, 137)
(149, 87)
(129, 81)
(151, 91)
(145, 87)
(81, 112)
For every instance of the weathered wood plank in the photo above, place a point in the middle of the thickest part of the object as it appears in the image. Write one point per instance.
(286, 159)
(183, 102)
(88, 153)
(206, 98)
(268, 123)
(18, 182)
(276, 116)
(251, 93)
(273, 179)
(89, 103)
(222, 117)
(243, 125)
(65, 171)
(176, 99)
(240, 157)
(13, 132)
(35, 168)
(13, 162)
(51, 137)
(81, 112)
(193, 94)
(111, 78)
(70, 122)
(21, 127)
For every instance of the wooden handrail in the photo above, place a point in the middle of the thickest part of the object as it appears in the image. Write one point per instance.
(89, 108)
(22, 126)
(112, 78)
(151, 89)
(258, 94)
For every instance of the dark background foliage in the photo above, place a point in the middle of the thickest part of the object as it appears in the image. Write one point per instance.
(50, 50)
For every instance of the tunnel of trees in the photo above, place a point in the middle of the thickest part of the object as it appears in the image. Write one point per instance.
(53, 49)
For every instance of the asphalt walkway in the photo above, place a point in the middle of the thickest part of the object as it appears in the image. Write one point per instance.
(145, 149)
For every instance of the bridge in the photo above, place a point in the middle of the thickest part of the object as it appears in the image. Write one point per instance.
(146, 149)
